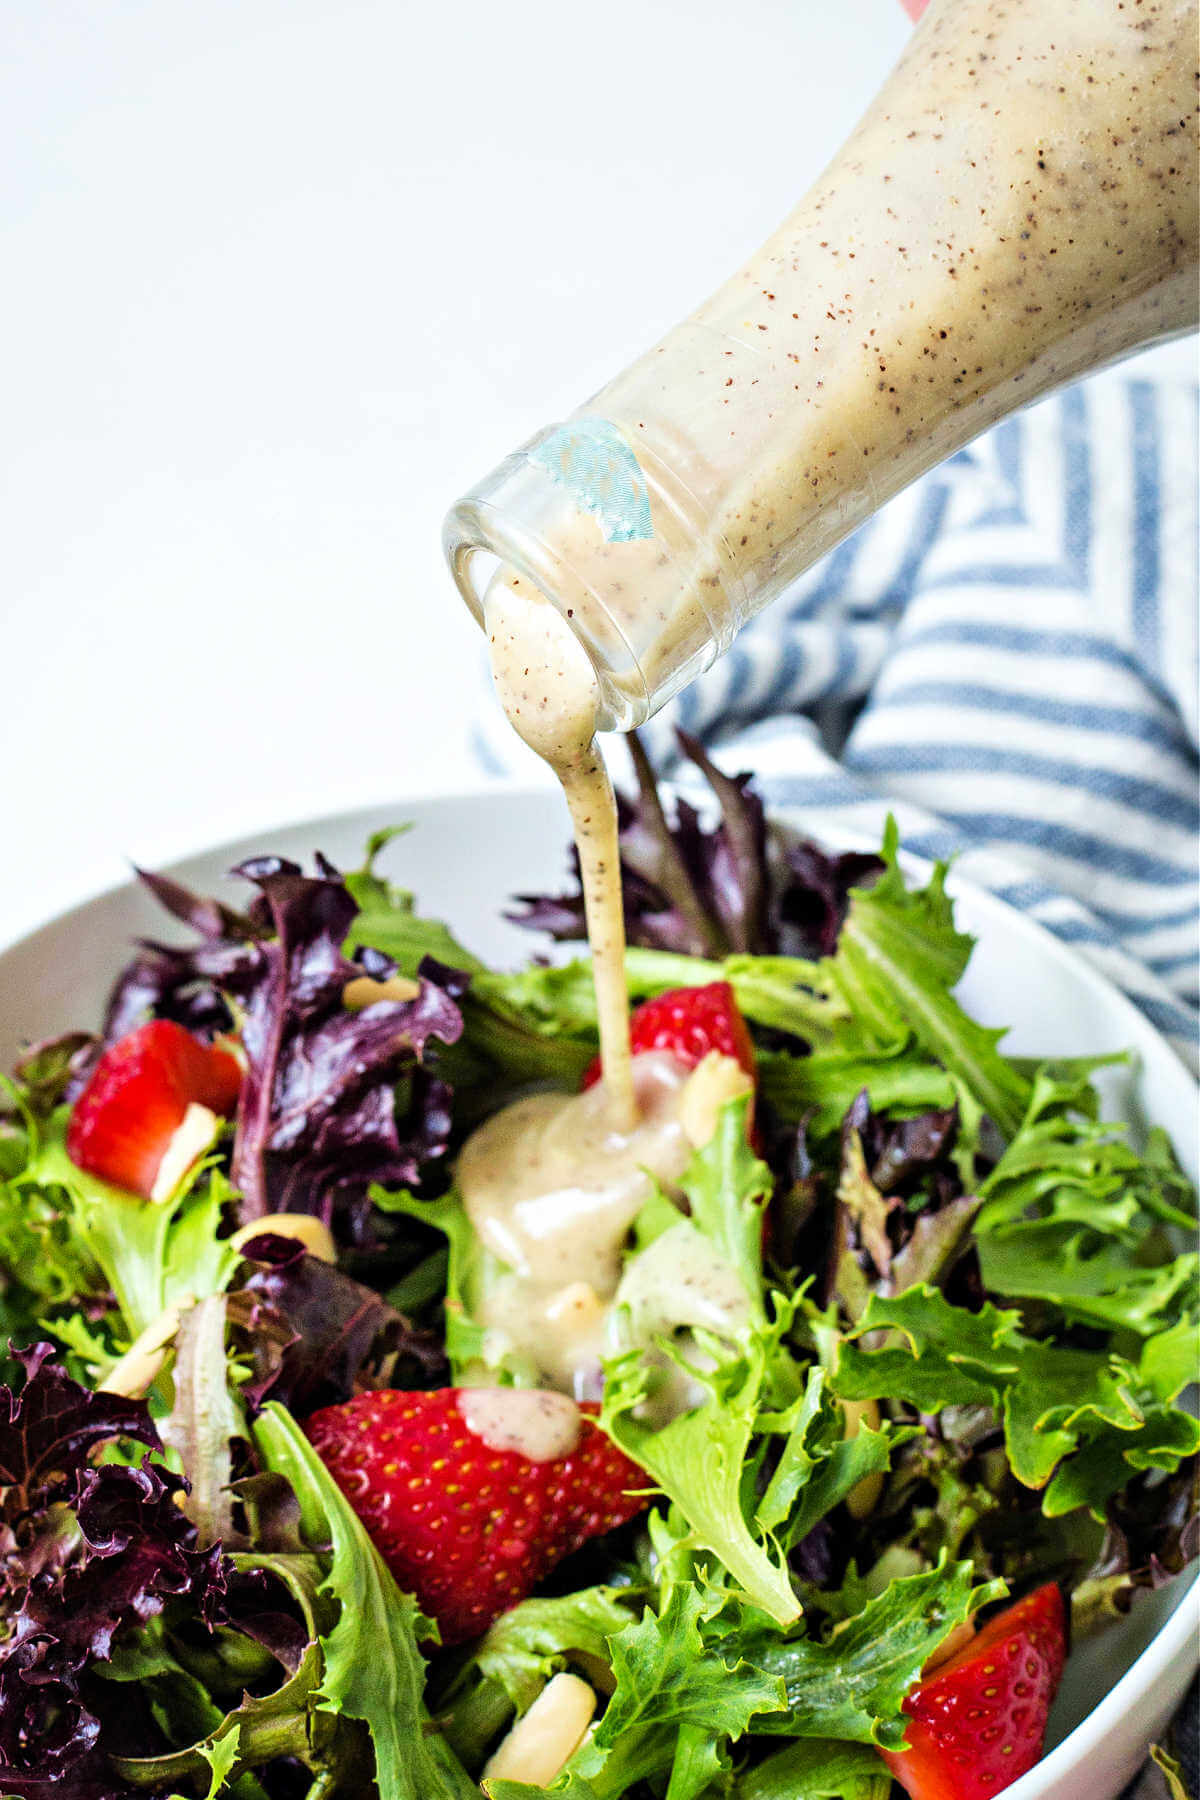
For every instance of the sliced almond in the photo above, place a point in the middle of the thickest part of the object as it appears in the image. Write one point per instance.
(364, 990)
(134, 1372)
(548, 1736)
(714, 1081)
(577, 1305)
(195, 1134)
(959, 1638)
(863, 1497)
(303, 1227)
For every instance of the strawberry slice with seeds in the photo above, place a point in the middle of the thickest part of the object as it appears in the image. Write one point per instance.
(472, 1495)
(979, 1721)
(138, 1098)
(689, 1022)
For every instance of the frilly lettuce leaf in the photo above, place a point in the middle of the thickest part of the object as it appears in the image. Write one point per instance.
(820, 1464)
(808, 1770)
(852, 1685)
(699, 1461)
(151, 1255)
(89, 1552)
(680, 1695)
(670, 1672)
(706, 1666)
(1077, 1424)
(727, 1189)
(1072, 1217)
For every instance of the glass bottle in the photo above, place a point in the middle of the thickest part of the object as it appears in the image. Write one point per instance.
(1017, 207)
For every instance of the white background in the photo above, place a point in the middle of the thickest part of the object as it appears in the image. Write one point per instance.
(280, 279)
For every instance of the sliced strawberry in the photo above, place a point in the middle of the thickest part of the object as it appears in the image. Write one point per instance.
(978, 1722)
(137, 1098)
(469, 1523)
(689, 1022)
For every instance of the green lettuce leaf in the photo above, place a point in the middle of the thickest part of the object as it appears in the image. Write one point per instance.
(470, 1269)
(821, 1087)
(808, 1770)
(821, 1463)
(727, 1189)
(699, 1461)
(1072, 1216)
(667, 1673)
(1057, 1402)
(152, 1254)
(852, 1686)
(678, 1698)
(388, 920)
(204, 1419)
(881, 1014)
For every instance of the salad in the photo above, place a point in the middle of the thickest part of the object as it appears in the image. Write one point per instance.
(874, 1405)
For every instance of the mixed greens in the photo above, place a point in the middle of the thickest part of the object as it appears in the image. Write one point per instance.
(967, 1325)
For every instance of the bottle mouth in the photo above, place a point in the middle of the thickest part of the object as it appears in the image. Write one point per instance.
(480, 538)
(592, 519)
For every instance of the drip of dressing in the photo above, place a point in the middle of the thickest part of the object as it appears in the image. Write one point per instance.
(552, 1185)
(540, 1426)
(552, 1188)
(547, 688)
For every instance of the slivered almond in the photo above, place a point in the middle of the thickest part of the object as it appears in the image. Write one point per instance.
(548, 1736)
(134, 1372)
(195, 1133)
(303, 1227)
(863, 1497)
(714, 1081)
(364, 990)
(959, 1638)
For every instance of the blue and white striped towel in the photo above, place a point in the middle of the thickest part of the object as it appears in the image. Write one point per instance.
(1006, 656)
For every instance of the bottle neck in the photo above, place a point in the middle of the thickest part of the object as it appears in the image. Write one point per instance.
(1017, 207)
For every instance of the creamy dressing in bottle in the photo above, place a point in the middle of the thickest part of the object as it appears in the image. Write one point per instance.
(1017, 206)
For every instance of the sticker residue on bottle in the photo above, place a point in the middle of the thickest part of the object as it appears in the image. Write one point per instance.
(591, 459)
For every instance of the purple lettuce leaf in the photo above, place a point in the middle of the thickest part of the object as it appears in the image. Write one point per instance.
(162, 982)
(907, 1155)
(317, 1120)
(86, 1550)
(712, 892)
(48, 1430)
(1152, 1531)
(333, 1099)
(54, 1070)
(316, 1336)
(893, 1214)
(815, 895)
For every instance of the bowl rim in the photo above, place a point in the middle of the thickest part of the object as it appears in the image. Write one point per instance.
(1178, 1639)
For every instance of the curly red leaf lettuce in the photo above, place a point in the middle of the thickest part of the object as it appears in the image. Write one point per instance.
(317, 1119)
(86, 1551)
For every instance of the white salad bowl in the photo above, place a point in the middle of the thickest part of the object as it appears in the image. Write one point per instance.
(464, 859)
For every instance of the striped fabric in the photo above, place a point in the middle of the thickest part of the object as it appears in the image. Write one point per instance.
(1006, 656)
